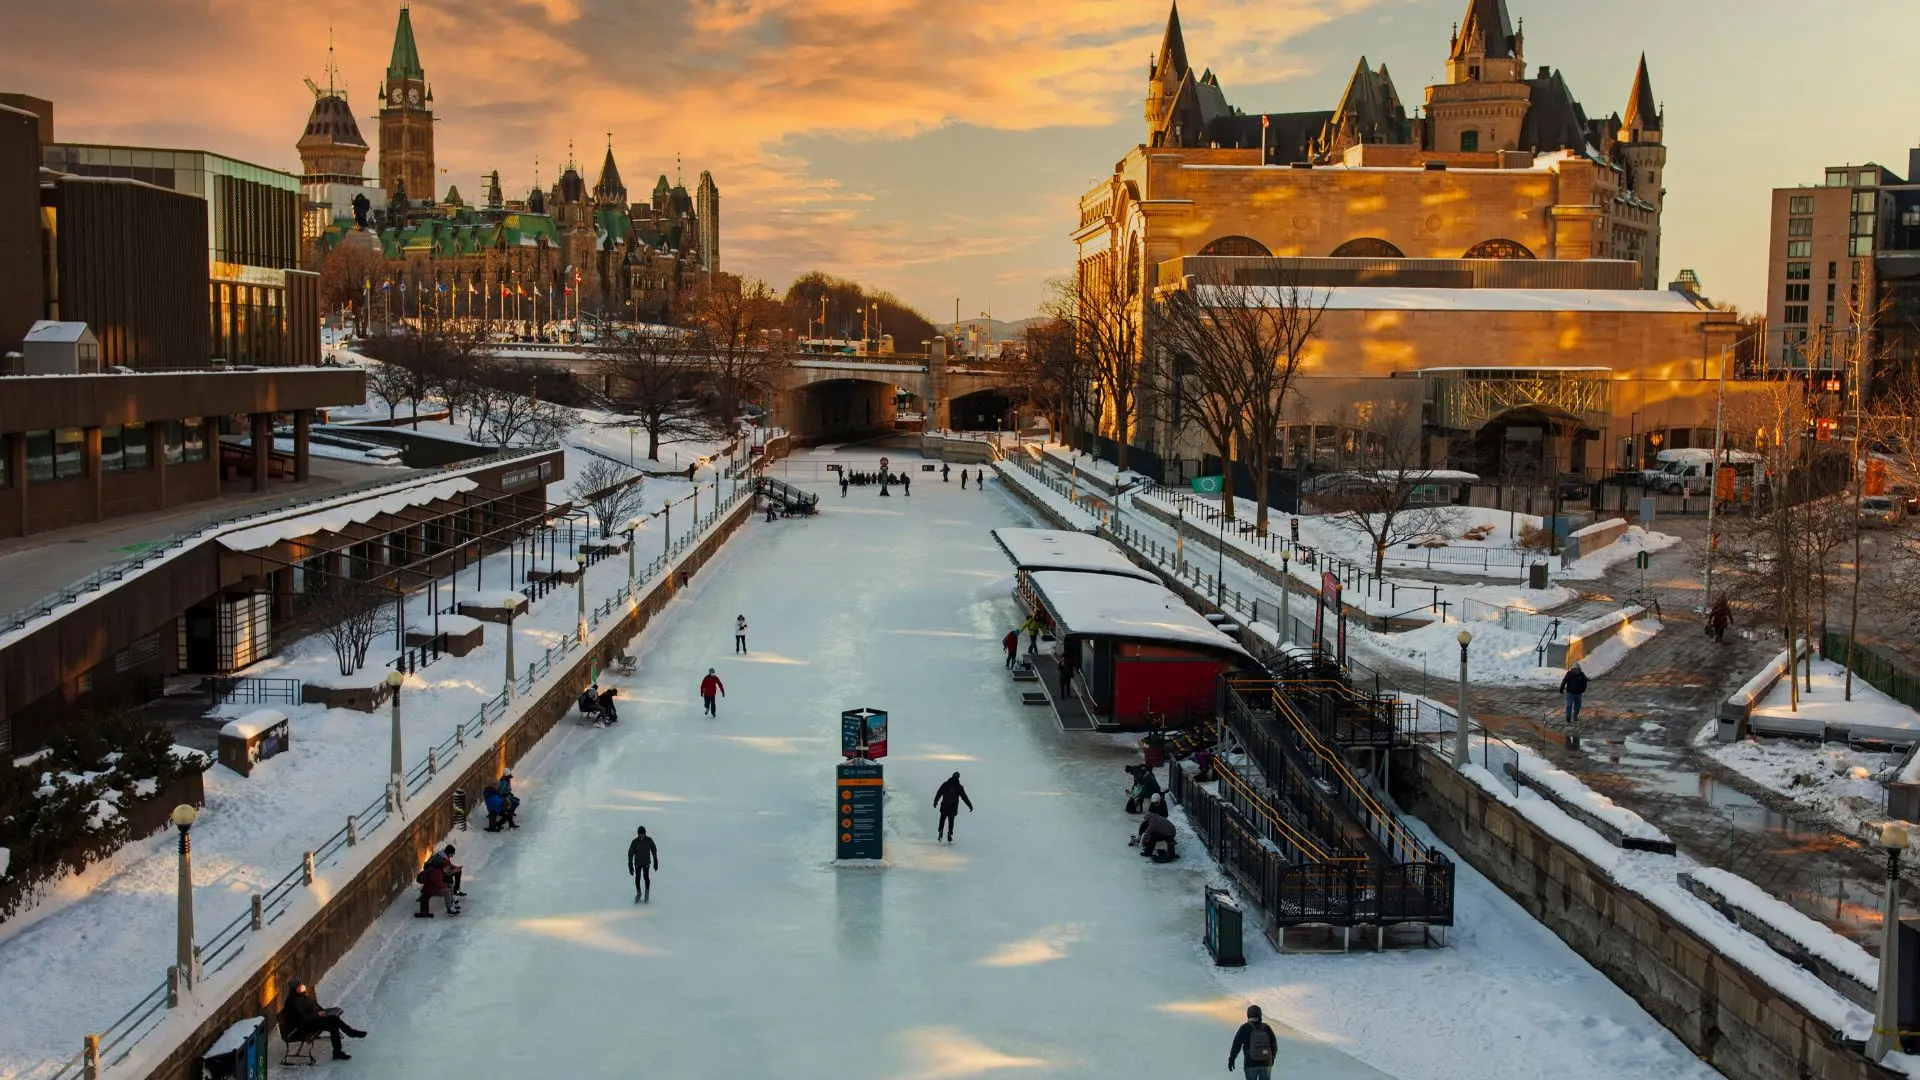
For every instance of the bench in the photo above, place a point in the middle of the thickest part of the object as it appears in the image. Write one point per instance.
(299, 1043)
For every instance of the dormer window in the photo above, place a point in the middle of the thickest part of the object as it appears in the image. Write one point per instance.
(1473, 72)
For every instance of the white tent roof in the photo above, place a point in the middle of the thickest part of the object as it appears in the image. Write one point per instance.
(337, 518)
(48, 330)
(1060, 549)
(1102, 605)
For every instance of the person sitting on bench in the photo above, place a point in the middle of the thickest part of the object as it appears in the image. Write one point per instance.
(448, 868)
(499, 814)
(590, 702)
(302, 1018)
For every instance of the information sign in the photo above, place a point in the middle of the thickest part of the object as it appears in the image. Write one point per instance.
(860, 795)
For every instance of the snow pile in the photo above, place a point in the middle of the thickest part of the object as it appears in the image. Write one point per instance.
(1845, 956)
(253, 723)
(1756, 688)
(448, 624)
(1841, 784)
(1572, 791)
(1823, 706)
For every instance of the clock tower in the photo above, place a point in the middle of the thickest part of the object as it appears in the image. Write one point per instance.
(406, 119)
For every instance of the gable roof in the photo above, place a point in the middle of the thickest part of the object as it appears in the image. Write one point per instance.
(1642, 113)
(64, 332)
(406, 56)
(1369, 110)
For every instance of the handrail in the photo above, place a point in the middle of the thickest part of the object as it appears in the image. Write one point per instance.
(1307, 844)
(222, 946)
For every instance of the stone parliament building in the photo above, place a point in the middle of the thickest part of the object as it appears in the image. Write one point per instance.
(1492, 258)
(527, 260)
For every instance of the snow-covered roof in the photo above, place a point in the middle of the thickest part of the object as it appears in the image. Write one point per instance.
(48, 330)
(1380, 298)
(1058, 549)
(253, 723)
(1102, 605)
(337, 518)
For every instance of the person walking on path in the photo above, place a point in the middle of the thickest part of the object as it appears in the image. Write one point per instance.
(1719, 619)
(1574, 684)
(1259, 1043)
(740, 633)
(948, 799)
(944, 470)
(643, 858)
(1011, 643)
(710, 686)
(963, 479)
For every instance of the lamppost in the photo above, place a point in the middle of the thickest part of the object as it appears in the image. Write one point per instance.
(1286, 591)
(580, 592)
(630, 586)
(508, 691)
(394, 766)
(1460, 722)
(1179, 537)
(1220, 563)
(1886, 1000)
(184, 816)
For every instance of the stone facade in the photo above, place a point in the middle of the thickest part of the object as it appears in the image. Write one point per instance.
(406, 120)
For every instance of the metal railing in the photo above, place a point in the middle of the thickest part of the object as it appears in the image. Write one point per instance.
(165, 546)
(1432, 726)
(111, 1044)
(252, 690)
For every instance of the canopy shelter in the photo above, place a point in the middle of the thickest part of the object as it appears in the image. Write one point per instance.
(1145, 659)
(1060, 549)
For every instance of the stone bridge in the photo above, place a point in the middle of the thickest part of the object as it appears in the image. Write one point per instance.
(823, 397)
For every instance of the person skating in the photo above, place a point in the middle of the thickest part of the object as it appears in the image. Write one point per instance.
(944, 470)
(1719, 619)
(302, 1016)
(1573, 684)
(710, 686)
(906, 485)
(843, 485)
(1260, 1044)
(948, 799)
(643, 857)
(605, 705)
(740, 633)
(1011, 643)
(963, 479)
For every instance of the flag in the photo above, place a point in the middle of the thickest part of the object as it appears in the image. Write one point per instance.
(503, 291)
(1264, 120)
(386, 286)
(366, 283)
(472, 289)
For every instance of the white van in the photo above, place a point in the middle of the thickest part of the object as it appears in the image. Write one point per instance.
(1690, 470)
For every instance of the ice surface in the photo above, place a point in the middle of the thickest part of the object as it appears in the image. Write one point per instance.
(1039, 945)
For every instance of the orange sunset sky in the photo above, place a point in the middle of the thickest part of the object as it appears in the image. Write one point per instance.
(936, 147)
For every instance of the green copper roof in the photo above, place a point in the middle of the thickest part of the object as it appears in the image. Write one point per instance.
(406, 58)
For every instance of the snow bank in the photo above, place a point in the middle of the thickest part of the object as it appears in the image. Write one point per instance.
(449, 624)
(1571, 790)
(1846, 957)
(1871, 715)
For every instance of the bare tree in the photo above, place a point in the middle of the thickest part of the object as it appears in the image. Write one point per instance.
(658, 374)
(525, 419)
(1766, 556)
(420, 367)
(1107, 305)
(1064, 379)
(738, 326)
(350, 614)
(1194, 357)
(611, 491)
(1274, 326)
(1387, 503)
(389, 382)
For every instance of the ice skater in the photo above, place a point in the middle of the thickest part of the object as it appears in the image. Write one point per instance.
(643, 858)
(948, 799)
(1257, 1039)
(843, 485)
(906, 485)
(963, 479)
(710, 686)
(944, 470)
(740, 633)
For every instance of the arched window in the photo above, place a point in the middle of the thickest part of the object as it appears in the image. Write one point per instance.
(1133, 268)
(1497, 249)
(1244, 246)
(1367, 247)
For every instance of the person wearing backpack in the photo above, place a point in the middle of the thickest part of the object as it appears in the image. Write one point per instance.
(1574, 685)
(1261, 1047)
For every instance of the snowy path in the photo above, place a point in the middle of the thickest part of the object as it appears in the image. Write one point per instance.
(1038, 945)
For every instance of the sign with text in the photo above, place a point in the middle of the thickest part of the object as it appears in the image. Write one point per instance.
(860, 794)
(1330, 588)
(863, 734)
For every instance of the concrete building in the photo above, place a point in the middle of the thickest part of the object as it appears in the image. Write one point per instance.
(1495, 261)
(1844, 258)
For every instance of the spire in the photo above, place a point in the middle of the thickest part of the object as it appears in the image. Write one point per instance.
(609, 188)
(1487, 30)
(1642, 114)
(1172, 63)
(406, 57)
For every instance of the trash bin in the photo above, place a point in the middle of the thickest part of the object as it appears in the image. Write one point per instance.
(1537, 575)
(240, 1053)
(1223, 929)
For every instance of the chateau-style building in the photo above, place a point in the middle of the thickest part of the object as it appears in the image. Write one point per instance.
(1495, 254)
(561, 249)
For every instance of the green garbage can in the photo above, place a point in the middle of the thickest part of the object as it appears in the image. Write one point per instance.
(1223, 929)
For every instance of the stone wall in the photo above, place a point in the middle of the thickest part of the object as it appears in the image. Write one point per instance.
(313, 949)
(1721, 1011)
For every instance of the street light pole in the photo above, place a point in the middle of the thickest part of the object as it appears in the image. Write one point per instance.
(509, 687)
(395, 764)
(1886, 998)
(1286, 592)
(184, 816)
(1220, 564)
(630, 585)
(1460, 721)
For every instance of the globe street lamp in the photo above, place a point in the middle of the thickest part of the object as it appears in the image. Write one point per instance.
(399, 781)
(1460, 722)
(184, 816)
(1886, 1000)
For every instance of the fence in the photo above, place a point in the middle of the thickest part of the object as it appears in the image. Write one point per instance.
(115, 1041)
(1880, 673)
(251, 690)
(1432, 727)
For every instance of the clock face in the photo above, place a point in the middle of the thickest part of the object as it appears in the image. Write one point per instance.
(395, 96)
(413, 97)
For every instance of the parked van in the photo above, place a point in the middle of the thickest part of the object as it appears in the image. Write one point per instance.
(1690, 471)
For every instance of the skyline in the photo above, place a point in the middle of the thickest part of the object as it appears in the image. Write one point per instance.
(934, 156)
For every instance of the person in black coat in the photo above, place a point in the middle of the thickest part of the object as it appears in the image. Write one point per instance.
(605, 705)
(948, 799)
(1573, 685)
(1260, 1044)
(589, 701)
(643, 857)
(303, 1016)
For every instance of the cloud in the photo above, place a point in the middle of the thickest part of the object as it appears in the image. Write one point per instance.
(727, 86)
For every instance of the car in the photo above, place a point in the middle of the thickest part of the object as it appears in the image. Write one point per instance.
(1908, 496)
(1881, 512)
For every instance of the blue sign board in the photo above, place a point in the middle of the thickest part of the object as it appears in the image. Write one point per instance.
(859, 797)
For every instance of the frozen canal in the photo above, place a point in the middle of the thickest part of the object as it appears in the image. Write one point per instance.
(1038, 945)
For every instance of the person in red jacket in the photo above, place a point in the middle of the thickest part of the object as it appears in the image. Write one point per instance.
(710, 686)
(1011, 643)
